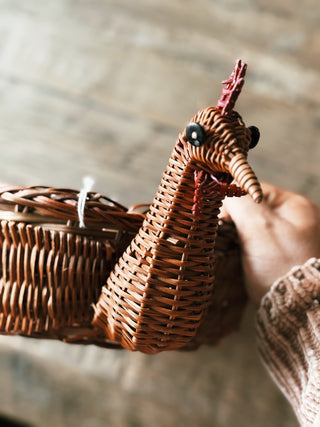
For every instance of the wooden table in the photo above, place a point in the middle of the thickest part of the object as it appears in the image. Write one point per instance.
(103, 88)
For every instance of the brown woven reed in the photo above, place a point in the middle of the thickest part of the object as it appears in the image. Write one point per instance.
(52, 271)
(160, 290)
(229, 296)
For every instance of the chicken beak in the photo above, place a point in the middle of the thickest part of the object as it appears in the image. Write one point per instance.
(244, 177)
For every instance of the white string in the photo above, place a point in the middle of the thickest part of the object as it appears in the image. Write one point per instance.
(88, 183)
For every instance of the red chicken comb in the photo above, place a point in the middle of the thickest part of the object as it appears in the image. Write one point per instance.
(233, 87)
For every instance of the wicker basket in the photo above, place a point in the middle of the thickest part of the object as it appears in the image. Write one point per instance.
(52, 271)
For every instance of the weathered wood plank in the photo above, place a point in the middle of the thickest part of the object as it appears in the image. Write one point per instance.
(102, 87)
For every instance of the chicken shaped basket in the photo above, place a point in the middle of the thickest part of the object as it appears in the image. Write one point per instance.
(166, 279)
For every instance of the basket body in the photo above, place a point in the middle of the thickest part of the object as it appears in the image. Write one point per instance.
(52, 271)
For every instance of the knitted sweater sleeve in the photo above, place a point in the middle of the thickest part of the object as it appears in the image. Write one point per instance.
(288, 330)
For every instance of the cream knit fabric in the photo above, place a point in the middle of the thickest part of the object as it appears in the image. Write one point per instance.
(288, 328)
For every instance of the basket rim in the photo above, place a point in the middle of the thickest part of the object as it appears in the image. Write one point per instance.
(56, 206)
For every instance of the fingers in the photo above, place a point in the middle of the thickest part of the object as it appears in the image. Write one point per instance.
(279, 209)
(244, 213)
(238, 210)
(282, 231)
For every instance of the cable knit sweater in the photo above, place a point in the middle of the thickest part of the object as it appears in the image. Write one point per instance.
(288, 327)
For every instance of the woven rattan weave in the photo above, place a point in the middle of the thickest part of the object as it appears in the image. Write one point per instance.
(160, 289)
(52, 271)
(80, 284)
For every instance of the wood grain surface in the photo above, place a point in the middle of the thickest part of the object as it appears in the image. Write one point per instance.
(103, 88)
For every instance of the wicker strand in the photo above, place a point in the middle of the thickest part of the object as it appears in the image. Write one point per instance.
(245, 177)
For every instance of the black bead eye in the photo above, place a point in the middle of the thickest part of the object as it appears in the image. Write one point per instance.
(195, 134)
(255, 136)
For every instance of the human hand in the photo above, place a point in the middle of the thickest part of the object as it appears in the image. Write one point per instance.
(279, 233)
